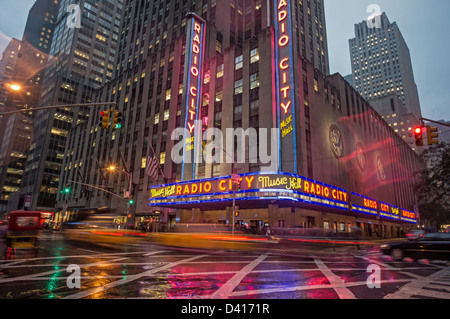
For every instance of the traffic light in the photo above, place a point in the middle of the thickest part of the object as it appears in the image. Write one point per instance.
(236, 214)
(131, 199)
(104, 119)
(117, 120)
(67, 189)
(432, 135)
(418, 134)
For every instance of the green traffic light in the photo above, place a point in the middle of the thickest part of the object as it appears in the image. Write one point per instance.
(131, 202)
(118, 126)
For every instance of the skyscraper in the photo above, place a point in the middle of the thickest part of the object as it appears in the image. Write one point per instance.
(81, 60)
(8, 62)
(381, 63)
(32, 59)
(244, 65)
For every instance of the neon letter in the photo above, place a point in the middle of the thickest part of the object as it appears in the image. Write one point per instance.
(281, 4)
(282, 15)
(283, 64)
(286, 107)
(283, 41)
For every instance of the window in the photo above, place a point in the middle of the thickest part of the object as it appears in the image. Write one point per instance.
(254, 55)
(239, 62)
(254, 81)
(219, 71)
(238, 87)
(219, 96)
(162, 158)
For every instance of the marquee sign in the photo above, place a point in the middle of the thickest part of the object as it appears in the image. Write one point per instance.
(261, 185)
(389, 211)
(274, 186)
(364, 205)
(193, 75)
(285, 86)
(408, 216)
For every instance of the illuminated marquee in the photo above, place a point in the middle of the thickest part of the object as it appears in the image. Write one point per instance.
(285, 100)
(408, 216)
(287, 186)
(389, 211)
(275, 186)
(364, 205)
(193, 75)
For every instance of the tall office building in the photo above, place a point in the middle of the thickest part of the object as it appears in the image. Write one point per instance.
(249, 65)
(381, 63)
(32, 58)
(81, 60)
(8, 62)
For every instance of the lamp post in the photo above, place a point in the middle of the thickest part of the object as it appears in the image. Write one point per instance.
(235, 181)
(131, 197)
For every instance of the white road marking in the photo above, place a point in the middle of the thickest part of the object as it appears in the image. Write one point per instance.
(391, 267)
(225, 290)
(337, 282)
(130, 278)
(419, 287)
(46, 273)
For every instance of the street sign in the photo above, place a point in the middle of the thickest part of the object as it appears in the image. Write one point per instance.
(28, 201)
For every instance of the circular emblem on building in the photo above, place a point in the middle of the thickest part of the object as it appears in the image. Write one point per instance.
(380, 169)
(360, 156)
(336, 141)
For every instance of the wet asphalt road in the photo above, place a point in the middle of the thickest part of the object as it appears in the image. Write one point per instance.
(147, 271)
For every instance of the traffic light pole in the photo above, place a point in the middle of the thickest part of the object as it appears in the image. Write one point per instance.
(436, 122)
(59, 107)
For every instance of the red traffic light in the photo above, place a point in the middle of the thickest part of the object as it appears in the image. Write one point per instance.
(102, 113)
(418, 134)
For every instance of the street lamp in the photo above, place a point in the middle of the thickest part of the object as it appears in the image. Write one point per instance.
(15, 87)
(131, 195)
(235, 181)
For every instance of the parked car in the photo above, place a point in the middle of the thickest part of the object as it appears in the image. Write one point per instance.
(415, 234)
(433, 246)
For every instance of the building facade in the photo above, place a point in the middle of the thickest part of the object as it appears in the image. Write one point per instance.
(381, 63)
(181, 64)
(32, 59)
(8, 62)
(394, 112)
(81, 60)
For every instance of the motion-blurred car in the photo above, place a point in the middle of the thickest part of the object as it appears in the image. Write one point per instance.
(433, 246)
(415, 234)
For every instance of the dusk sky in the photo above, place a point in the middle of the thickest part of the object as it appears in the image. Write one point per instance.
(424, 25)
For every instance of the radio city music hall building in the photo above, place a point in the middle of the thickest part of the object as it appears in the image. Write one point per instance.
(248, 64)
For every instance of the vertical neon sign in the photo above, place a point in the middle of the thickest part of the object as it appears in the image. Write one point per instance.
(193, 75)
(285, 90)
